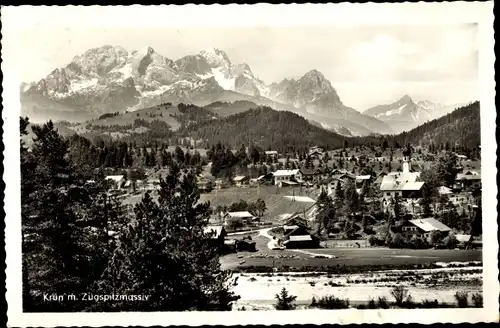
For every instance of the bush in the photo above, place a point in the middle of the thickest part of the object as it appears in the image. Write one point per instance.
(408, 303)
(462, 299)
(368, 230)
(400, 294)
(436, 237)
(428, 304)
(477, 299)
(418, 243)
(382, 303)
(375, 241)
(450, 241)
(397, 241)
(285, 301)
(331, 302)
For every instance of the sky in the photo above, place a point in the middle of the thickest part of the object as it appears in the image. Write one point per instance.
(367, 65)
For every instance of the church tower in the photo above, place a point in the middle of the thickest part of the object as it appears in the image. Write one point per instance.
(407, 160)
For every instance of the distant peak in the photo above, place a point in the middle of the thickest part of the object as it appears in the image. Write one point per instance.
(213, 51)
(406, 98)
(214, 56)
(314, 73)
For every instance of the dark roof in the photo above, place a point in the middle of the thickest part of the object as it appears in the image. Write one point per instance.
(296, 220)
(310, 171)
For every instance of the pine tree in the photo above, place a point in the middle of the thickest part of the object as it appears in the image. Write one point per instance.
(447, 168)
(285, 301)
(64, 241)
(351, 202)
(261, 207)
(339, 194)
(397, 208)
(326, 212)
(167, 254)
(179, 155)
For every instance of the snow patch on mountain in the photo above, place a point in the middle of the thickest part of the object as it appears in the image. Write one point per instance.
(79, 85)
(263, 89)
(205, 76)
(158, 91)
(225, 81)
(125, 71)
(396, 111)
(215, 57)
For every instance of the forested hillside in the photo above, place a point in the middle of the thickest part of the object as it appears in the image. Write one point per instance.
(279, 130)
(460, 130)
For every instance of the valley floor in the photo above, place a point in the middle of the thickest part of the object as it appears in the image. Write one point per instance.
(258, 290)
(339, 256)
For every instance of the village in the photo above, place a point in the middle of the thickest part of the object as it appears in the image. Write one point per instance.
(277, 214)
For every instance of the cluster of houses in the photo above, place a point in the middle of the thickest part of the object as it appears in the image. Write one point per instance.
(406, 184)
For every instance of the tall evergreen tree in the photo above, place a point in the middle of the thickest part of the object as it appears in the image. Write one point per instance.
(168, 254)
(351, 199)
(61, 234)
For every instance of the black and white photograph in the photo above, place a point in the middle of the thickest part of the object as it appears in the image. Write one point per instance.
(233, 159)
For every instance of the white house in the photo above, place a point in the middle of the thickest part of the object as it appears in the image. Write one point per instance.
(244, 216)
(240, 180)
(287, 176)
(423, 227)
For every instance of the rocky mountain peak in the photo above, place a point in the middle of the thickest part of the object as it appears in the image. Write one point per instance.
(316, 82)
(406, 99)
(314, 73)
(215, 57)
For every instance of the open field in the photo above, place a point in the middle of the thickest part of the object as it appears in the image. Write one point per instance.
(258, 290)
(277, 203)
(340, 257)
(347, 257)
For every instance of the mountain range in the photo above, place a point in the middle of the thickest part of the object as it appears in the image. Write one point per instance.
(110, 79)
(406, 114)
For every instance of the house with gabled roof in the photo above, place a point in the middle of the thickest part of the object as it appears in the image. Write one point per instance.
(297, 235)
(265, 178)
(467, 179)
(287, 177)
(244, 216)
(311, 175)
(422, 228)
(293, 222)
(241, 180)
